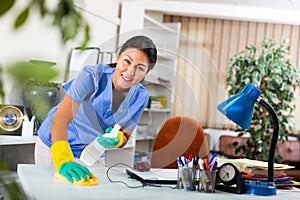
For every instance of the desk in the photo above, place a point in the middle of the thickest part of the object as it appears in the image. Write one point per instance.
(38, 183)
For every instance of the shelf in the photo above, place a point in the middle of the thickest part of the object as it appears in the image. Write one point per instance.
(151, 79)
(161, 81)
(14, 140)
(141, 138)
(157, 83)
(157, 110)
(167, 55)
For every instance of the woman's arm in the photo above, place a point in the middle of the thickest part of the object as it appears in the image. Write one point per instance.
(64, 115)
(63, 158)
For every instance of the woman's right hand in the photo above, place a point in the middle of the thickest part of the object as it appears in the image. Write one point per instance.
(64, 162)
(74, 171)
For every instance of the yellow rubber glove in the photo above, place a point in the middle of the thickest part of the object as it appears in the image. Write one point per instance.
(63, 161)
(121, 139)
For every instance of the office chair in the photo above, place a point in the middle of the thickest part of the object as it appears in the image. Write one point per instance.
(178, 136)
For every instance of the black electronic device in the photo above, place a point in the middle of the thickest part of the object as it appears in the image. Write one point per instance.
(11, 119)
(156, 176)
(229, 179)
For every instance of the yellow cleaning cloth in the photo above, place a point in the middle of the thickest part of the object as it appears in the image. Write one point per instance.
(89, 182)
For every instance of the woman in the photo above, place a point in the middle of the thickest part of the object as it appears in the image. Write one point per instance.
(98, 98)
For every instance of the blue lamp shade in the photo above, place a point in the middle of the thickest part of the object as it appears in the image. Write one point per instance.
(239, 108)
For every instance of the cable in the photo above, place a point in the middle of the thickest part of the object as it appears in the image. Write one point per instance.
(139, 186)
(113, 181)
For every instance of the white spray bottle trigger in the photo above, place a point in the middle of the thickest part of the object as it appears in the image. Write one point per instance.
(114, 132)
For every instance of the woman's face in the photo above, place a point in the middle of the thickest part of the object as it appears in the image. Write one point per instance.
(132, 67)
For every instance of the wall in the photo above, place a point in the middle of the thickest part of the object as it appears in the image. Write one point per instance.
(39, 40)
(214, 42)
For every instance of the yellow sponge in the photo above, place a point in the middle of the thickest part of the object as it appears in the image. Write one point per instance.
(89, 182)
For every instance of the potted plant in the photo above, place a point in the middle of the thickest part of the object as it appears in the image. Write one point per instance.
(37, 93)
(62, 15)
(269, 68)
(25, 74)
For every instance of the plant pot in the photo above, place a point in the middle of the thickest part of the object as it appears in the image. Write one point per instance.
(38, 100)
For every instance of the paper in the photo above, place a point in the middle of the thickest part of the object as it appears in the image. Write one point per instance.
(254, 163)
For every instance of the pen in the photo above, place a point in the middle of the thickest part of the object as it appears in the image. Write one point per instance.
(190, 157)
(190, 163)
(184, 161)
(195, 161)
(205, 164)
(212, 163)
(179, 162)
(201, 164)
(214, 166)
(212, 158)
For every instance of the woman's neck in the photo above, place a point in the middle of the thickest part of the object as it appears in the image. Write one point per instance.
(115, 87)
(118, 97)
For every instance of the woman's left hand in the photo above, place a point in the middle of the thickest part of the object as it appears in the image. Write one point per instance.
(109, 142)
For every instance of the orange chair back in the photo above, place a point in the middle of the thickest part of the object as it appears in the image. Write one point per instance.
(178, 136)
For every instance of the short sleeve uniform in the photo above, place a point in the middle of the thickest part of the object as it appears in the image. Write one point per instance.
(92, 90)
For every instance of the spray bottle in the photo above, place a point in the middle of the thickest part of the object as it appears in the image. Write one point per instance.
(92, 152)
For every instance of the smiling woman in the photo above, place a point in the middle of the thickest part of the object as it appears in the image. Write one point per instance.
(97, 99)
(132, 67)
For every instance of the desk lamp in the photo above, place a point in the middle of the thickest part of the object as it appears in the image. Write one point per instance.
(239, 109)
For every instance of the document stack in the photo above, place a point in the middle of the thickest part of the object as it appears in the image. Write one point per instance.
(258, 170)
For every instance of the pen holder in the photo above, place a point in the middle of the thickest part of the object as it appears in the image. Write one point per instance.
(187, 178)
(207, 181)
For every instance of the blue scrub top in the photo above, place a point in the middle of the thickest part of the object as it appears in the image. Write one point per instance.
(92, 90)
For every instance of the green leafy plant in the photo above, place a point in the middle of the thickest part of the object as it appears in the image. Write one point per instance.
(25, 74)
(9, 187)
(66, 17)
(269, 68)
(35, 71)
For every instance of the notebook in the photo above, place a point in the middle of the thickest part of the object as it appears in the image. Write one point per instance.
(154, 176)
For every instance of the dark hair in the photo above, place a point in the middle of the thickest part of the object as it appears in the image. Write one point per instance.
(143, 44)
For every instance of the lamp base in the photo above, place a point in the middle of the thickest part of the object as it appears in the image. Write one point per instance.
(260, 188)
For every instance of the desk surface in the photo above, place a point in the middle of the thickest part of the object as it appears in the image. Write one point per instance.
(38, 183)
